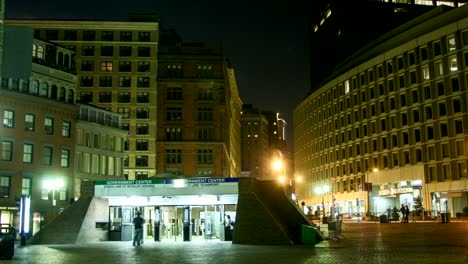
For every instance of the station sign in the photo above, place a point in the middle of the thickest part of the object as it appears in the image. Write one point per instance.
(159, 187)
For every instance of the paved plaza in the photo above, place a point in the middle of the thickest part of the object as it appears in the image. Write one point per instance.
(363, 242)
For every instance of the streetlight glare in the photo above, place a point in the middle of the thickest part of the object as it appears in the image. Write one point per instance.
(282, 179)
(299, 179)
(277, 165)
(375, 170)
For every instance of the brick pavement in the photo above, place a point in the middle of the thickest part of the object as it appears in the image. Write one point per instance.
(361, 243)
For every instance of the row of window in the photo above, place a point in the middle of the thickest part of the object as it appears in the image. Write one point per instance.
(30, 123)
(176, 93)
(98, 164)
(91, 35)
(28, 154)
(26, 189)
(421, 67)
(124, 66)
(99, 141)
(177, 71)
(174, 156)
(376, 125)
(108, 51)
(107, 81)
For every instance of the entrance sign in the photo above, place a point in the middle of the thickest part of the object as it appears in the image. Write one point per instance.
(167, 187)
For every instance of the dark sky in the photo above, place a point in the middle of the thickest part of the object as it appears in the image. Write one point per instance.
(267, 43)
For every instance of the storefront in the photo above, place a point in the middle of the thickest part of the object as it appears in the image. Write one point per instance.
(174, 209)
(395, 194)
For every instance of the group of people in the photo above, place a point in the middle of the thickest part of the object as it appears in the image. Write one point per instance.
(405, 213)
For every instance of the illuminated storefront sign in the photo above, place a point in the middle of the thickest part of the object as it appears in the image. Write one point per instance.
(395, 191)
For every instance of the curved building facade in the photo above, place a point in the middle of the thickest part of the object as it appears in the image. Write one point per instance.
(390, 126)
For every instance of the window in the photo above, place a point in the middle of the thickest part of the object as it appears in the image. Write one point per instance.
(107, 36)
(459, 126)
(436, 47)
(125, 81)
(428, 110)
(173, 133)
(175, 71)
(455, 84)
(143, 82)
(105, 81)
(401, 64)
(174, 114)
(424, 54)
(141, 144)
(125, 66)
(89, 35)
(124, 111)
(144, 51)
(144, 36)
(411, 58)
(142, 129)
(28, 153)
(389, 67)
(106, 66)
(425, 72)
(124, 97)
(205, 156)
(105, 97)
(47, 155)
(204, 71)
(87, 65)
(86, 81)
(346, 87)
(29, 122)
(205, 133)
(205, 94)
(51, 35)
(66, 130)
(442, 109)
(65, 158)
(142, 113)
(143, 66)
(87, 51)
(173, 156)
(86, 97)
(174, 93)
(451, 43)
(8, 118)
(25, 186)
(453, 63)
(7, 150)
(205, 114)
(107, 51)
(125, 51)
(143, 98)
(439, 68)
(4, 186)
(443, 130)
(457, 108)
(126, 36)
(49, 125)
(141, 161)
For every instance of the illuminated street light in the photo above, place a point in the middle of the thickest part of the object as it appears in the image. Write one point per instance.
(53, 185)
(321, 190)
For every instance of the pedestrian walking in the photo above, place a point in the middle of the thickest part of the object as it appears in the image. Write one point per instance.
(403, 213)
(407, 212)
(138, 222)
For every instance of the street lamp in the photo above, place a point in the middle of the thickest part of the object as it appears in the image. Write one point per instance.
(321, 190)
(53, 186)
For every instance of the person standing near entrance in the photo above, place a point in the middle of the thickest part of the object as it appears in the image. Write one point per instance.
(138, 222)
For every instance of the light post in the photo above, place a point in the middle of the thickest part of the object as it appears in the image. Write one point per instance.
(368, 188)
(321, 190)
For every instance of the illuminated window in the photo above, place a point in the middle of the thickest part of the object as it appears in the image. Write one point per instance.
(453, 63)
(106, 66)
(8, 118)
(65, 158)
(7, 150)
(452, 45)
(347, 88)
(27, 153)
(425, 72)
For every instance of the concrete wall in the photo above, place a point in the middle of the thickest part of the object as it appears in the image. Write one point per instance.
(266, 215)
(77, 224)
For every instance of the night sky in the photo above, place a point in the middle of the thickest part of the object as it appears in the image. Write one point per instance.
(267, 43)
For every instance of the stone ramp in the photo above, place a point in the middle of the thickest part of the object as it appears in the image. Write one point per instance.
(76, 224)
(267, 216)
